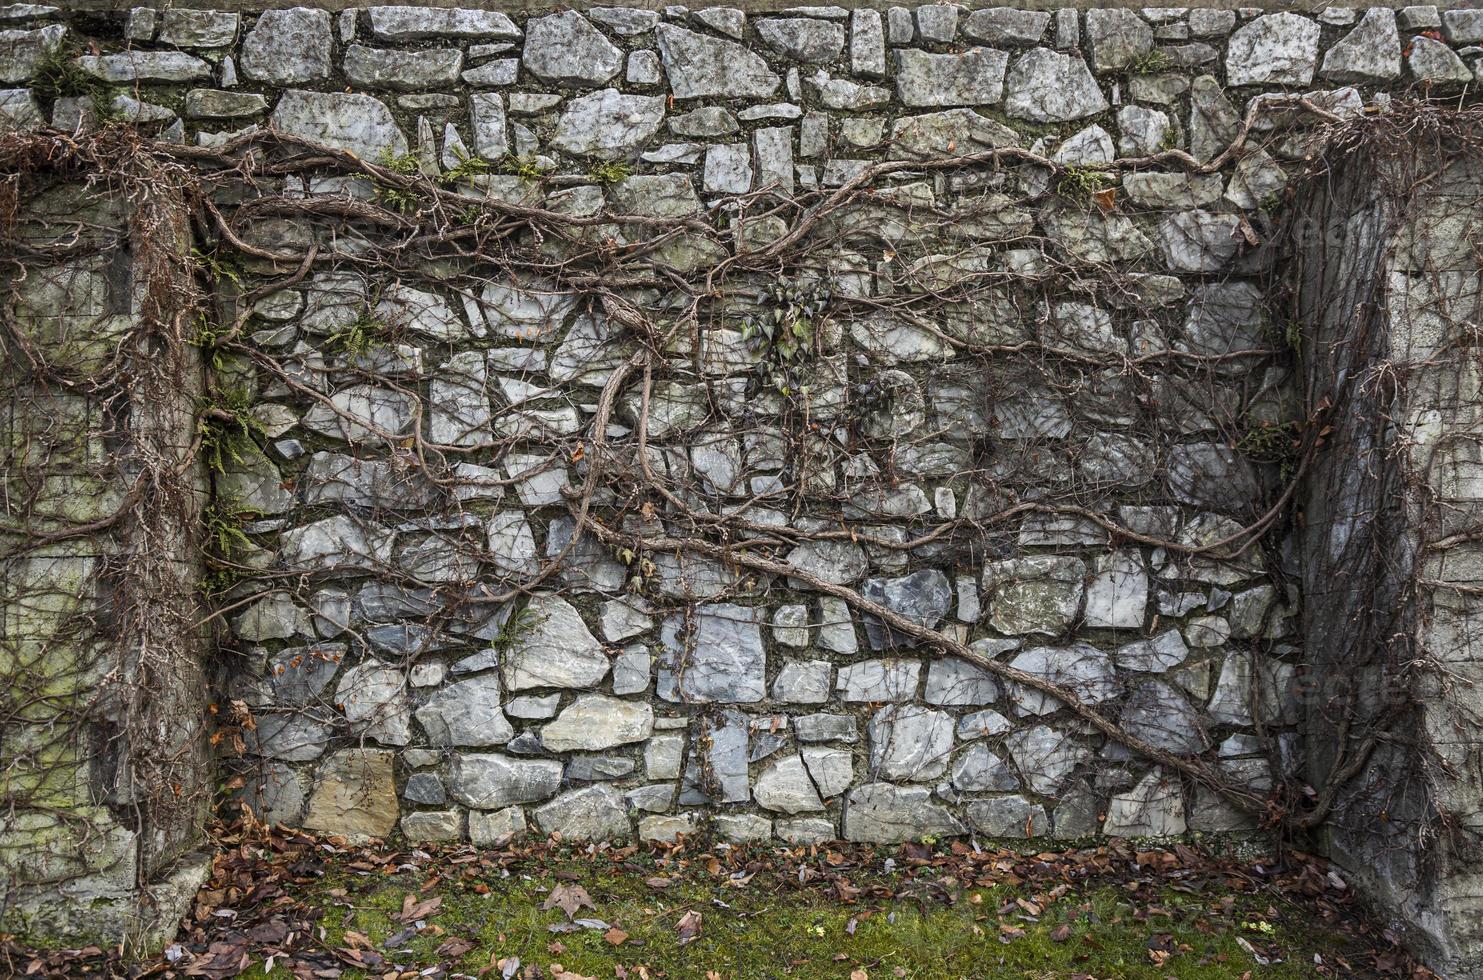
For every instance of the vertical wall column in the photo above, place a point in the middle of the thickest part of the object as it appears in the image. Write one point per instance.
(104, 770)
(1393, 517)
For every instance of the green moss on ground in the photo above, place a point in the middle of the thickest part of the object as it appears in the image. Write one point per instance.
(1104, 930)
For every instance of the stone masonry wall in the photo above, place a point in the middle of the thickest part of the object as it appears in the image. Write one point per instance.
(1035, 400)
(105, 769)
(1389, 291)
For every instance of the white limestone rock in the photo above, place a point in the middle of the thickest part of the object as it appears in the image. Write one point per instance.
(466, 713)
(1163, 652)
(1082, 669)
(1274, 49)
(555, 648)
(413, 23)
(806, 39)
(492, 781)
(596, 721)
(1046, 86)
(608, 123)
(1153, 808)
(975, 77)
(881, 813)
(786, 787)
(910, 742)
(592, 813)
(1010, 817)
(1046, 757)
(878, 680)
(359, 123)
(402, 71)
(374, 699)
(566, 49)
(1038, 594)
(288, 47)
(1434, 62)
(1006, 25)
(699, 66)
(1117, 595)
(713, 654)
(1369, 53)
(1117, 38)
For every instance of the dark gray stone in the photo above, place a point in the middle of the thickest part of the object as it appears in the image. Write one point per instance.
(922, 597)
(717, 655)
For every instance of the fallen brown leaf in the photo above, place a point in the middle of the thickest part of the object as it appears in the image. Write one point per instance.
(568, 898)
(688, 927)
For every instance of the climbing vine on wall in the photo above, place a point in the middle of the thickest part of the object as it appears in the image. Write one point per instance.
(417, 407)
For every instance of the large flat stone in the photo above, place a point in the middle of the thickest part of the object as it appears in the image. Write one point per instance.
(1274, 49)
(975, 77)
(714, 654)
(699, 66)
(466, 713)
(596, 721)
(593, 813)
(354, 795)
(566, 49)
(553, 648)
(361, 124)
(288, 47)
(1046, 86)
(402, 71)
(608, 124)
(881, 813)
(492, 781)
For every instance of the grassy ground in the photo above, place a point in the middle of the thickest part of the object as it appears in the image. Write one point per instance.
(745, 933)
(286, 905)
(853, 920)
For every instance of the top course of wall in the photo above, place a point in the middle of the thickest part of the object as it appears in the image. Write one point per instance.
(748, 6)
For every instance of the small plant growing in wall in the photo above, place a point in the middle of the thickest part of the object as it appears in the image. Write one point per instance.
(222, 424)
(1153, 62)
(523, 167)
(516, 628)
(1082, 185)
(609, 172)
(641, 569)
(1271, 442)
(467, 168)
(363, 335)
(785, 329)
(208, 337)
(58, 76)
(394, 198)
(217, 268)
(225, 519)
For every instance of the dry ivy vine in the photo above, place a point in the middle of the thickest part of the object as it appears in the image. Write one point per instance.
(242, 198)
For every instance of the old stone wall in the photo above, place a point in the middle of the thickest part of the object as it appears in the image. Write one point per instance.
(1389, 289)
(104, 763)
(629, 422)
